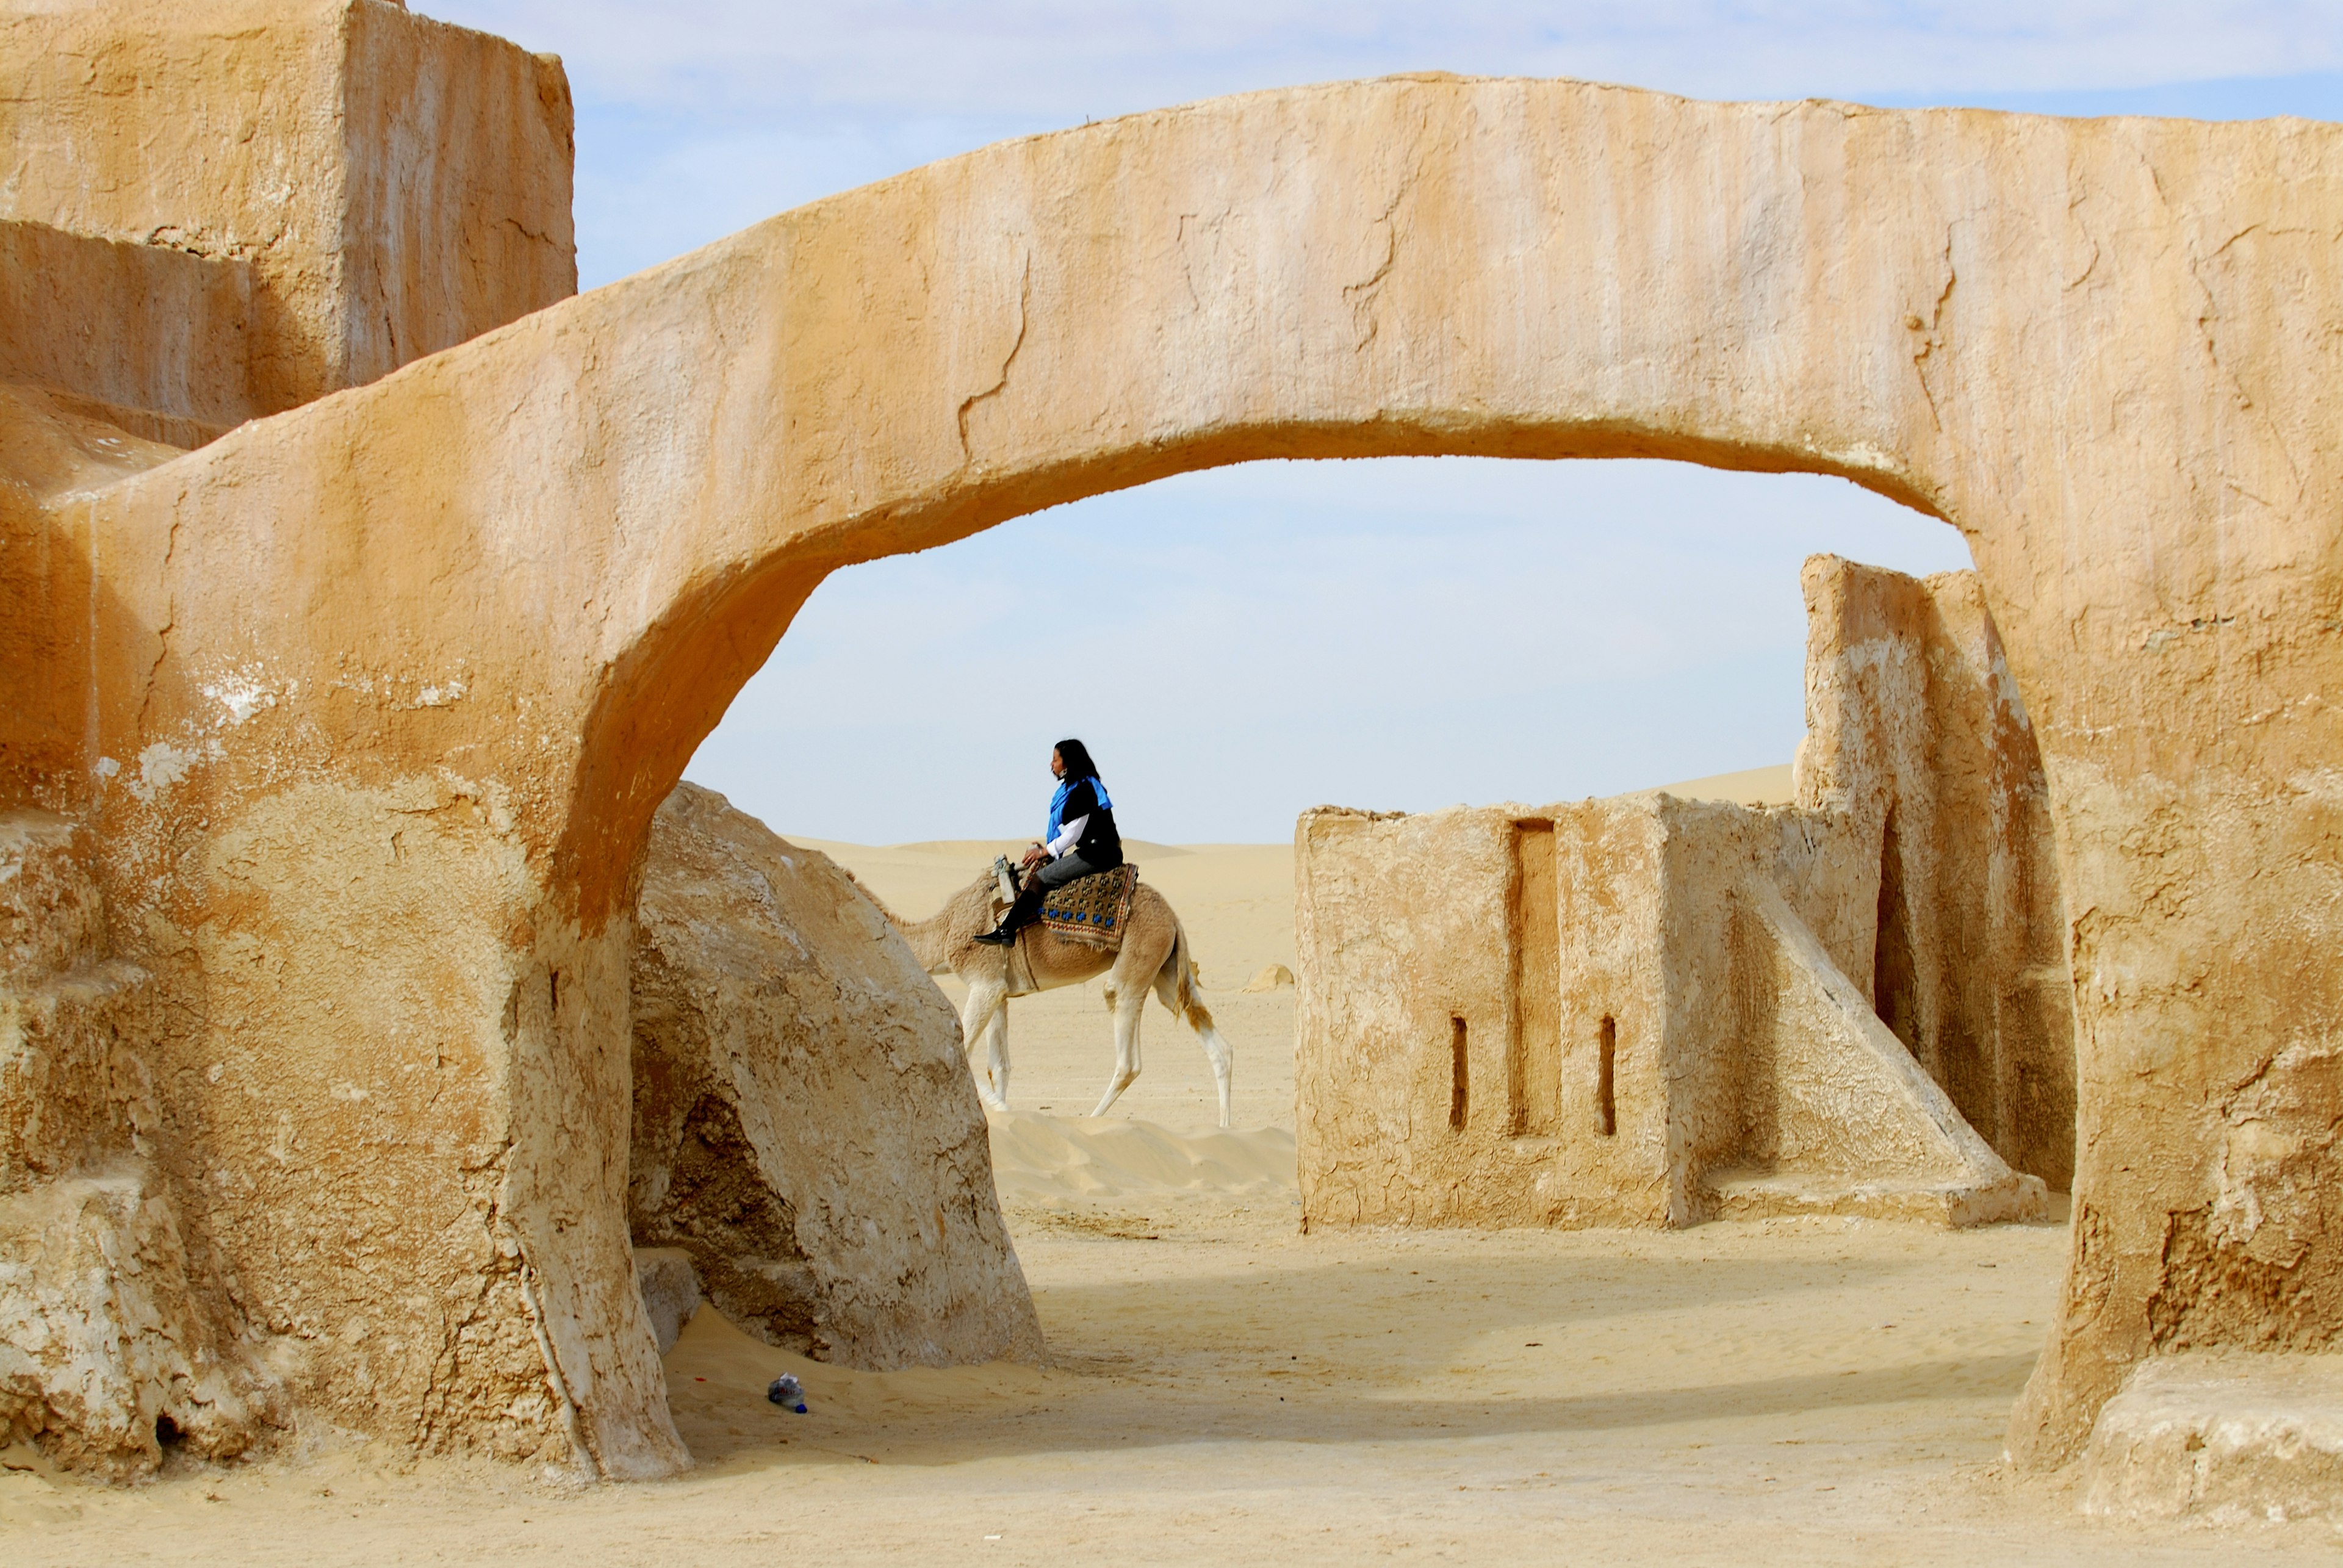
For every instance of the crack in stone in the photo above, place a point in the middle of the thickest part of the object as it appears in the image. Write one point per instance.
(1362, 296)
(1929, 343)
(163, 632)
(1024, 320)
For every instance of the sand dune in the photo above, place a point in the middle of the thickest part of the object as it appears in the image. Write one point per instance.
(980, 852)
(1750, 787)
(1045, 1160)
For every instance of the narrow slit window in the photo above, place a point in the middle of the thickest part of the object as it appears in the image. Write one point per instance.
(1606, 1107)
(1532, 1057)
(1459, 1075)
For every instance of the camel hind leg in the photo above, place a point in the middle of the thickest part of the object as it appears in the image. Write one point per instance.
(1125, 1001)
(1176, 987)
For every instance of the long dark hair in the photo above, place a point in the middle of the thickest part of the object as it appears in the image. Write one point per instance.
(1077, 758)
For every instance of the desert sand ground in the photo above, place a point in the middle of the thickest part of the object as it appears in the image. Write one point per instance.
(1225, 1390)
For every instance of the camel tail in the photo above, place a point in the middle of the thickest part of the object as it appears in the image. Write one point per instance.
(1187, 983)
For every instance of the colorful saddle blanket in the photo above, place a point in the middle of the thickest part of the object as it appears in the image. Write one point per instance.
(1092, 909)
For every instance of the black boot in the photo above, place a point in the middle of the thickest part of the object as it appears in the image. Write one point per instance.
(1020, 915)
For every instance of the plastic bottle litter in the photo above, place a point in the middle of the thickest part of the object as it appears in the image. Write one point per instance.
(788, 1392)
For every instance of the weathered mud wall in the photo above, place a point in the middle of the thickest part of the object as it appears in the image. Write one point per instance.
(395, 185)
(405, 672)
(50, 455)
(804, 1124)
(1617, 1012)
(1424, 1093)
(105, 1352)
(152, 340)
(213, 211)
(1915, 730)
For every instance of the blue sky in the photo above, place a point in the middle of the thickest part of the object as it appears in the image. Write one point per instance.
(1399, 634)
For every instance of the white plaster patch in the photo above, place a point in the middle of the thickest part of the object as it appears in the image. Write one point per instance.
(160, 765)
(242, 693)
(386, 689)
(1862, 456)
(1877, 655)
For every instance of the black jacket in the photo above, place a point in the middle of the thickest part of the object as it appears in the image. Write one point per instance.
(1101, 845)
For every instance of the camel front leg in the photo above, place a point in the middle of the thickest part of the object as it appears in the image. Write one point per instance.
(996, 1054)
(984, 1020)
(1127, 1002)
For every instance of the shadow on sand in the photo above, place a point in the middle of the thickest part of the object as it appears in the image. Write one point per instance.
(1340, 1350)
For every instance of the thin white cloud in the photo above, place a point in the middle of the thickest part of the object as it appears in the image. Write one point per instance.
(1062, 59)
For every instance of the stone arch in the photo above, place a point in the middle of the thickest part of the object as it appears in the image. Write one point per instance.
(500, 595)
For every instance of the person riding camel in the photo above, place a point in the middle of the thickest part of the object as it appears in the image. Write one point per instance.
(1080, 839)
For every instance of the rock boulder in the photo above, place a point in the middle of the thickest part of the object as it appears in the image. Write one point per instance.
(803, 1126)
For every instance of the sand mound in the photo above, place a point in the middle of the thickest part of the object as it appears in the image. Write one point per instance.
(978, 852)
(1047, 1160)
(1268, 980)
(1750, 787)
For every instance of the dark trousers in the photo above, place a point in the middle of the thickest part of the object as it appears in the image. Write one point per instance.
(1056, 874)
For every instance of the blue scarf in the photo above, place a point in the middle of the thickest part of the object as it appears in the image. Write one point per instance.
(1058, 804)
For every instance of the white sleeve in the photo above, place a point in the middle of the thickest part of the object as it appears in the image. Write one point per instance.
(1069, 835)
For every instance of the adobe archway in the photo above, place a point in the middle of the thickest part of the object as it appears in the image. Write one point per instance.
(399, 677)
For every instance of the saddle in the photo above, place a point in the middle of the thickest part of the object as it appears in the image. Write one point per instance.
(1094, 911)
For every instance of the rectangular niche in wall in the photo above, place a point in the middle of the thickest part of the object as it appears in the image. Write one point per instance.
(1533, 1050)
(1607, 1102)
(1460, 1074)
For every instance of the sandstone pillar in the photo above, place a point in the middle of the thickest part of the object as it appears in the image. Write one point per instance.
(1914, 728)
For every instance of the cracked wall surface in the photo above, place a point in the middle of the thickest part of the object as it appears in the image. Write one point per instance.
(105, 1352)
(437, 647)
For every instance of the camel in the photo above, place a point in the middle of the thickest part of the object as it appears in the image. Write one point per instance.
(1153, 957)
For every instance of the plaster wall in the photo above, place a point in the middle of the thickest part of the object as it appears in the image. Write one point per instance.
(1707, 1054)
(1423, 1094)
(152, 340)
(104, 1339)
(52, 589)
(395, 184)
(1914, 729)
